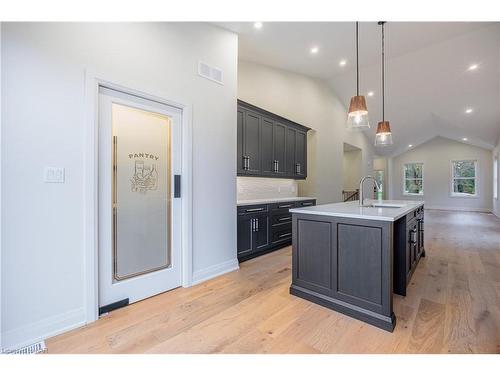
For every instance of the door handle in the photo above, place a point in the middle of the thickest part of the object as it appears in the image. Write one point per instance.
(307, 204)
(253, 224)
(177, 185)
(285, 235)
(285, 206)
(277, 165)
(256, 225)
(254, 209)
(285, 218)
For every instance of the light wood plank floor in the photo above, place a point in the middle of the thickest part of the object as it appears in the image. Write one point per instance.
(452, 306)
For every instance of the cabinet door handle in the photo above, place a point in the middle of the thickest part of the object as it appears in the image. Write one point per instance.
(307, 204)
(252, 223)
(285, 218)
(254, 209)
(277, 165)
(248, 163)
(285, 235)
(297, 168)
(284, 206)
(256, 225)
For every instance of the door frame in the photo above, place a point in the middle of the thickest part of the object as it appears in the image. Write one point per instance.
(91, 185)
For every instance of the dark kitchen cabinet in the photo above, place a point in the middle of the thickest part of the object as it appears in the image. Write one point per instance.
(245, 235)
(241, 162)
(265, 228)
(251, 143)
(253, 229)
(408, 248)
(291, 146)
(301, 154)
(269, 145)
(279, 148)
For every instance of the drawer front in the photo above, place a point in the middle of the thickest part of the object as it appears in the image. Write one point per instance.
(253, 209)
(411, 216)
(283, 233)
(282, 206)
(311, 202)
(281, 218)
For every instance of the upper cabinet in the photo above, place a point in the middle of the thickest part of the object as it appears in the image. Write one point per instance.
(269, 145)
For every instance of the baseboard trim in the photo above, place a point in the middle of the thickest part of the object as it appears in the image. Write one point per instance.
(43, 329)
(470, 209)
(215, 270)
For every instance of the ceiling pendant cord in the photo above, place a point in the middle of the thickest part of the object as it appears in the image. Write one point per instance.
(357, 60)
(383, 74)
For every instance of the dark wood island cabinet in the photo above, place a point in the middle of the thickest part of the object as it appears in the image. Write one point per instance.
(351, 259)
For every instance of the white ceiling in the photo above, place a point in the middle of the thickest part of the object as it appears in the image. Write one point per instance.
(428, 86)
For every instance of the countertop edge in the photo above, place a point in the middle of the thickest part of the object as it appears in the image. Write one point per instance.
(307, 211)
(251, 202)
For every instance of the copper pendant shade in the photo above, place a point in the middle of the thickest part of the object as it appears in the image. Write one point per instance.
(357, 118)
(384, 134)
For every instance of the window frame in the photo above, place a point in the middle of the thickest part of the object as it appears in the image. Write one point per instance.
(476, 179)
(404, 179)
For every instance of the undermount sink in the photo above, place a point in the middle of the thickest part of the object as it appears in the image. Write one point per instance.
(387, 205)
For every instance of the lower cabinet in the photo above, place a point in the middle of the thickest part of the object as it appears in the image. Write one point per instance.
(408, 248)
(265, 228)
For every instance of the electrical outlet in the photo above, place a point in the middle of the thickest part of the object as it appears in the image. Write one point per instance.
(54, 174)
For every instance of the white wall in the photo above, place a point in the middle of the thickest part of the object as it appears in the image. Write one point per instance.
(496, 202)
(312, 103)
(352, 165)
(436, 155)
(43, 125)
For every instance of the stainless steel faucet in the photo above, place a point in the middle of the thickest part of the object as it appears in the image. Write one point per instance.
(361, 196)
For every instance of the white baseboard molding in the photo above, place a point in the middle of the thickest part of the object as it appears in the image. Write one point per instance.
(214, 271)
(45, 328)
(447, 208)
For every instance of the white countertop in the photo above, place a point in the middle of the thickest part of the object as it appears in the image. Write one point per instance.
(248, 202)
(353, 210)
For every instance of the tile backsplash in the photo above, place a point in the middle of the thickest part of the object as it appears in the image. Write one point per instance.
(261, 188)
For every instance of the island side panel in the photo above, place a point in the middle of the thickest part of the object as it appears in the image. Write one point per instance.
(345, 264)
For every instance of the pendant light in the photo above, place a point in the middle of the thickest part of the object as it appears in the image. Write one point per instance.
(357, 118)
(384, 135)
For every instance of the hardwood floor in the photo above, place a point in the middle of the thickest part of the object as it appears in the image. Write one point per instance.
(452, 306)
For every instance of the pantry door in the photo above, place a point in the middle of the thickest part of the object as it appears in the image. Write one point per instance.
(139, 217)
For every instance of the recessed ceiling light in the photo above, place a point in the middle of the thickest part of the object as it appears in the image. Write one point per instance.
(257, 25)
(468, 110)
(465, 139)
(314, 50)
(342, 62)
(410, 146)
(473, 67)
(370, 93)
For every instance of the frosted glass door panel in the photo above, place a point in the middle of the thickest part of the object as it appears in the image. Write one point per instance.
(141, 191)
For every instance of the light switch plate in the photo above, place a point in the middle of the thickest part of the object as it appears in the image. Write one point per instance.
(53, 174)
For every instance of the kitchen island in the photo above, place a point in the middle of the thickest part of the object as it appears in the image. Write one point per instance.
(351, 258)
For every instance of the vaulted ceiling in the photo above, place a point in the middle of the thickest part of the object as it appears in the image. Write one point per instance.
(429, 85)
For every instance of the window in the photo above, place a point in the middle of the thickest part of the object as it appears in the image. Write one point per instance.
(464, 178)
(495, 177)
(414, 179)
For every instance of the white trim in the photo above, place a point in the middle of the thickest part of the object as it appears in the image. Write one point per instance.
(452, 194)
(37, 331)
(404, 179)
(91, 158)
(215, 270)
(448, 208)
